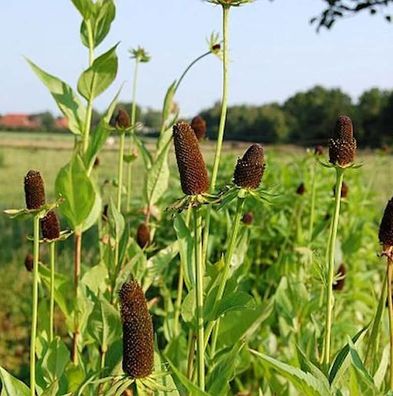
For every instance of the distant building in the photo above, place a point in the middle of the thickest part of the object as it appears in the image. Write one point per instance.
(19, 120)
(61, 123)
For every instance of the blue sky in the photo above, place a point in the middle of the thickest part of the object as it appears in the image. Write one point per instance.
(275, 52)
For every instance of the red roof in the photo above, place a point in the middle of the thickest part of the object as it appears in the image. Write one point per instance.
(19, 121)
(61, 123)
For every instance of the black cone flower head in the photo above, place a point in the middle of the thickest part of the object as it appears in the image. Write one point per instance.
(122, 119)
(138, 350)
(198, 124)
(340, 283)
(193, 173)
(34, 190)
(50, 226)
(386, 226)
(248, 218)
(249, 169)
(29, 262)
(342, 147)
(301, 189)
(143, 235)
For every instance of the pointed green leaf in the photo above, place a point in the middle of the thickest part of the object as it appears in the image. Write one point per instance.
(306, 383)
(67, 101)
(97, 78)
(11, 386)
(75, 186)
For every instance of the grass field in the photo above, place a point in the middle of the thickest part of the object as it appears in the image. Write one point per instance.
(20, 152)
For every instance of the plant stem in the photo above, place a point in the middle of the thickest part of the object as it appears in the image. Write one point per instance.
(133, 122)
(199, 298)
(36, 254)
(180, 285)
(77, 270)
(52, 247)
(331, 249)
(188, 68)
(120, 170)
(221, 127)
(225, 275)
(312, 205)
(390, 312)
(89, 110)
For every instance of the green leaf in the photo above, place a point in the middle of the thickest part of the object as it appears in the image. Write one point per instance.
(379, 375)
(186, 249)
(157, 178)
(233, 302)
(11, 385)
(306, 383)
(243, 324)
(54, 361)
(53, 389)
(188, 385)
(75, 186)
(97, 78)
(146, 156)
(95, 278)
(101, 133)
(223, 372)
(85, 7)
(104, 13)
(104, 323)
(67, 101)
(168, 101)
(116, 221)
(340, 362)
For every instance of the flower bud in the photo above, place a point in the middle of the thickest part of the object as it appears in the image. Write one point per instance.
(138, 349)
(249, 169)
(193, 173)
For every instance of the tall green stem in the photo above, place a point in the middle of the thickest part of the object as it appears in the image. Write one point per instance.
(199, 297)
(223, 116)
(390, 311)
(52, 246)
(227, 268)
(36, 253)
(331, 249)
(77, 270)
(120, 170)
(89, 110)
(133, 122)
(180, 284)
(312, 205)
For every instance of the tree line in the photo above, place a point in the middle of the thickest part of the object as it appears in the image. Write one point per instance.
(308, 117)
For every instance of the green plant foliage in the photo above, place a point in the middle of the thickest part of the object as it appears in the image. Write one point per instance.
(75, 186)
(99, 76)
(67, 101)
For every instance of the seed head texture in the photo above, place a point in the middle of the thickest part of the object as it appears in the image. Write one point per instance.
(138, 350)
(249, 169)
(192, 169)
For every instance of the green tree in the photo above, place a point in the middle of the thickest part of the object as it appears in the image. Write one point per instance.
(371, 106)
(312, 114)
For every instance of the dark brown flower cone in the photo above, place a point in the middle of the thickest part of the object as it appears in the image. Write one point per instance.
(143, 235)
(138, 349)
(386, 226)
(122, 119)
(301, 189)
(50, 226)
(29, 262)
(248, 218)
(342, 147)
(249, 169)
(318, 149)
(340, 283)
(198, 124)
(193, 173)
(34, 190)
(344, 190)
